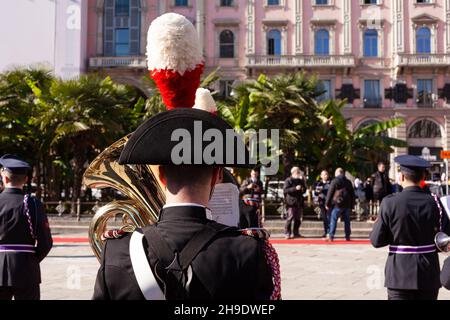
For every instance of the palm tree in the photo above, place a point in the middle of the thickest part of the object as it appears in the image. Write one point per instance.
(87, 115)
(285, 102)
(19, 110)
(335, 145)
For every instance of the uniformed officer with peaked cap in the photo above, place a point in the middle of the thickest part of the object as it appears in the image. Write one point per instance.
(407, 223)
(25, 238)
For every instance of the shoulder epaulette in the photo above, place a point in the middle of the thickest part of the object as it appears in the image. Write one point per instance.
(118, 233)
(257, 233)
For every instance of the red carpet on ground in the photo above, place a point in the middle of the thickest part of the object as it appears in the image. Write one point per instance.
(304, 241)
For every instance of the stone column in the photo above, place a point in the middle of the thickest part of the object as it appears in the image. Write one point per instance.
(162, 7)
(397, 27)
(446, 133)
(347, 12)
(99, 42)
(399, 132)
(200, 24)
(299, 27)
(250, 31)
(447, 25)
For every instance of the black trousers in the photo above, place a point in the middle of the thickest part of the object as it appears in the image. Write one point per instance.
(400, 294)
(325, 218)
(31, 292)
(294, 216)
(248, 216)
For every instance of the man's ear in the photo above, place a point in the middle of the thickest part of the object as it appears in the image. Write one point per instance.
(216, 176)
(162, 176)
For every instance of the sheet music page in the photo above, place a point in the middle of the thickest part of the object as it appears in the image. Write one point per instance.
(446, 204)
(224, 204)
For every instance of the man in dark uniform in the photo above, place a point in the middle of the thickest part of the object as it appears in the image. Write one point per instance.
(25, 238)
(251, 191)
(225, 264)
(408, 222)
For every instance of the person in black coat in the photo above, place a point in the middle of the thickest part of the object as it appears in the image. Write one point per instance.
(381, 183)
(321, 190)
(188, 256)
(341, 200)
(407, 223)
(25, 238)
(294, 188)
(251, 191)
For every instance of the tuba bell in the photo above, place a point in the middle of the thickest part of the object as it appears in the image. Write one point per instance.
(442, 242)
(138, 183)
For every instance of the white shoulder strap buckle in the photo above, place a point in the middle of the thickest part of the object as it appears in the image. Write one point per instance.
(141, 268)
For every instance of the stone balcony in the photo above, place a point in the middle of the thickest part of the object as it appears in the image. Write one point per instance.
(305, 61)
(118, 62)
(423, 60)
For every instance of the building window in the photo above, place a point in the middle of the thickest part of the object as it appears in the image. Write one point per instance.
(371, 43)
(181, 3)
(274, 43)
(423, 40)
(321, 2)
(121, 27)
(225, 88)
(370, 2)
(325, 87)
(226, 40)
(424, 1)
(122, 8)
(425, 93)
(372, 97)
(425, 129)
(122, 42)
(226, 3)
(322, 42)
(273, 2)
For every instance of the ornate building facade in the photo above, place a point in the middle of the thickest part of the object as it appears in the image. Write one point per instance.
(388, 58)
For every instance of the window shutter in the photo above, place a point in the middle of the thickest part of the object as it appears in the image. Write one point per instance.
(400, 93)
(108, 28)
(348, 92)
(135, 27)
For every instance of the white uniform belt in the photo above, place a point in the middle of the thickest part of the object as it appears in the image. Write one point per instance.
(17, 248)
(412, 249)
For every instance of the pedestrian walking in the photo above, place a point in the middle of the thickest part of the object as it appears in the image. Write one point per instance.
(340, 200)
(294, 188)
(321, 188)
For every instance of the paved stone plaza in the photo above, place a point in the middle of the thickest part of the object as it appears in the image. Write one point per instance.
(309, 272)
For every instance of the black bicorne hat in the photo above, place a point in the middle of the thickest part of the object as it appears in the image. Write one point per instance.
(186, 137)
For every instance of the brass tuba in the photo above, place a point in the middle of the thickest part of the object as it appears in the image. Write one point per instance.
(442, 242)
(138, 183)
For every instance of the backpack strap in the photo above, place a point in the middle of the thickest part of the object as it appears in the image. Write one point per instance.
(158, 246)
(199, 241)
(144, 275)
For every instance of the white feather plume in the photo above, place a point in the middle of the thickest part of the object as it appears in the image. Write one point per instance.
(204, 100)
(173, 44)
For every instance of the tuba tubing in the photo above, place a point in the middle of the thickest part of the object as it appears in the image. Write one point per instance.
(442, 242)
(138, 183)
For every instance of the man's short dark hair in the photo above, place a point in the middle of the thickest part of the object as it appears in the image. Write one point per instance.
(178, 177)
(416, 177)
(16, 178)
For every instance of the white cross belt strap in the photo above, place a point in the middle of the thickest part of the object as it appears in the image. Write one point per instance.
(141, 268)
